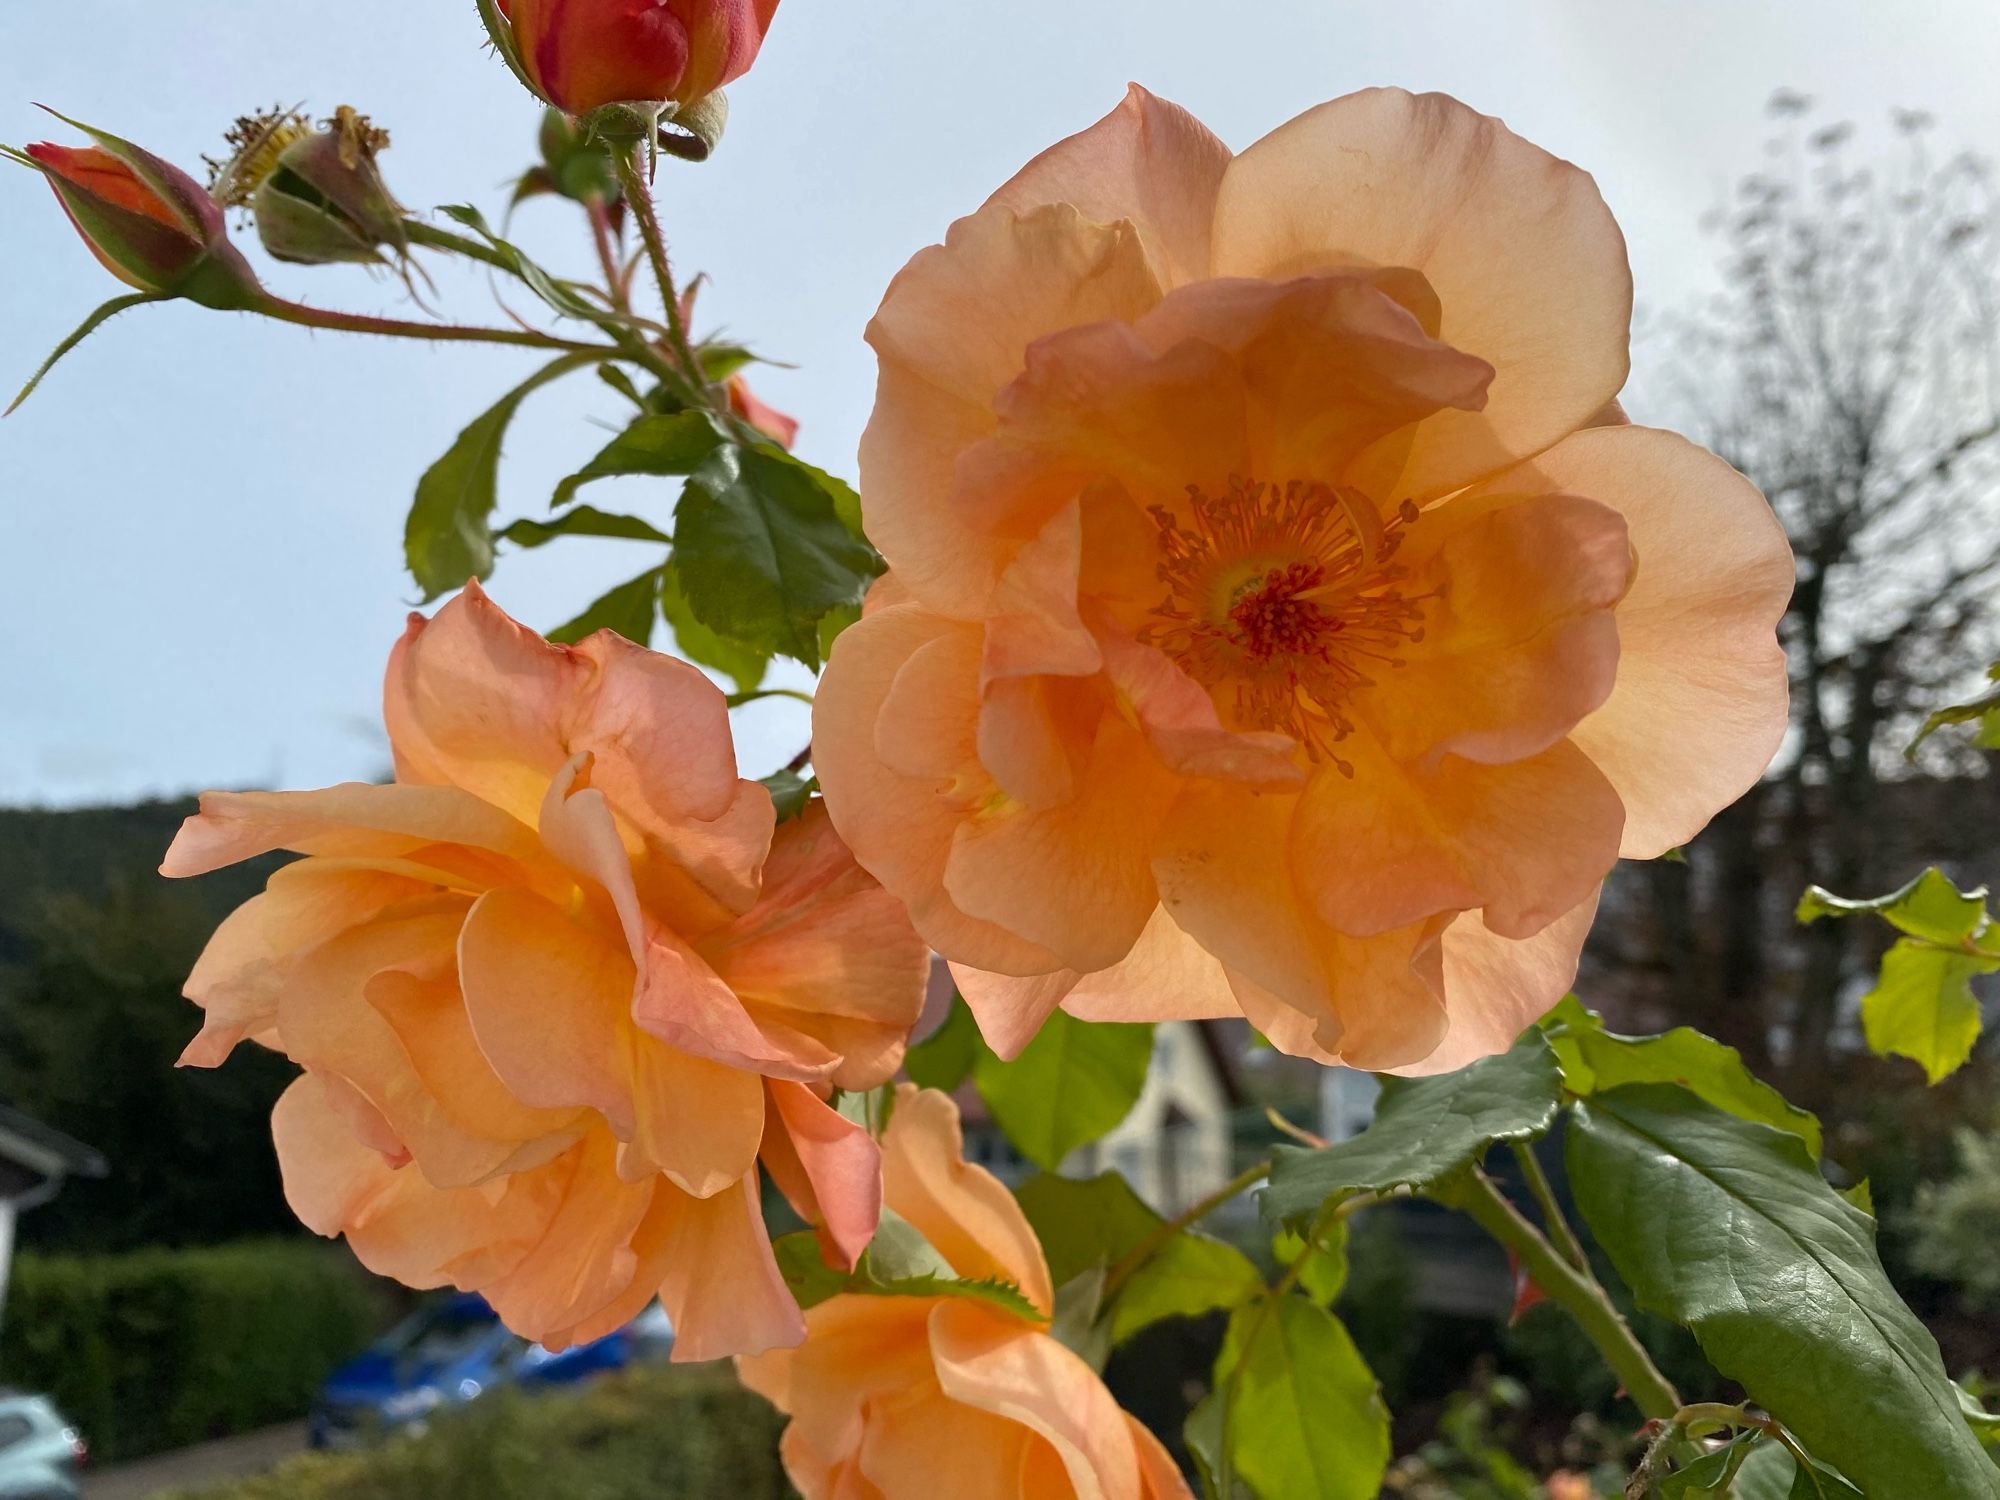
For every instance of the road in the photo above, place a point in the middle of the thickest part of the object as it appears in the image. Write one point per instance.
(229, 1458)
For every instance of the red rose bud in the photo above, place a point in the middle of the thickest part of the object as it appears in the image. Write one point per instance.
(153, 226)
(582, 55)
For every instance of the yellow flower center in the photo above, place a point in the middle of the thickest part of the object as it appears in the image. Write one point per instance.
(1287, 597)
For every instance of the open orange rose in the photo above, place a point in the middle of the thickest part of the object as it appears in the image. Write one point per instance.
(1282, 617)
(557, 989)
(894, 1397)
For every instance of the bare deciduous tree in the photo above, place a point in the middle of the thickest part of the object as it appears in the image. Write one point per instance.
(1850, 366)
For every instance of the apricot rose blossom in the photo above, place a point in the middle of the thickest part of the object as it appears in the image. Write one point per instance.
(905, 1396)
(1282, 616)
(557, 989)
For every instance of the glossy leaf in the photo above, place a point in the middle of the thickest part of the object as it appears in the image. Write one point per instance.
(629, 609)
(741, 664)
(448, 537)
(1074, 1082)
(943, 1059)
(1424, 1129)
(1295, 1410)
(661, 446)
(1727, 1227)
(763, 553)
(1594, 1060)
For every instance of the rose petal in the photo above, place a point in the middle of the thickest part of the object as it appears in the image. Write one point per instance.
(963, 1210)
(1527, 263)
(1147, 161)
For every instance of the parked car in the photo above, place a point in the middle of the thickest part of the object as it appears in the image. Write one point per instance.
(41, 1454)
(454, 1350)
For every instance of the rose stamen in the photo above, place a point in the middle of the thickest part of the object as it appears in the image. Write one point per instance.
(1290, 598)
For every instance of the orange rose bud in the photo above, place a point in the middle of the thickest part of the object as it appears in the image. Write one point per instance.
(153, 226)
(581, 55)
(779, 427)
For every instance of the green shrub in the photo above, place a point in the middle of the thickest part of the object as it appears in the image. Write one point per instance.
(160, 1348)
(658, 1433)
(1956, 1223)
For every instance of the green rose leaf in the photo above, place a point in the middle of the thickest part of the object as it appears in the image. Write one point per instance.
(944, 1058)
(561, 296)
(899, 1262)
(661, 446)
(1922, 1006)
(1096, 1224)
(583, 520)
(763, 553)
(1929, 907)
(629, 609)
(1984, 1424)
(1983, 711)
(1074, 1082)
(1771, 1473)
(789, 793)
(1323, 1275)
(1708, 1477)
(1424, 1129)
(1727, 1227)
(1295, 1410)
(448, 537)
(741, 664)
(1594, 1060)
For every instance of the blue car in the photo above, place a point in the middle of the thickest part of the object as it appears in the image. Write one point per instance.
(452, 1351)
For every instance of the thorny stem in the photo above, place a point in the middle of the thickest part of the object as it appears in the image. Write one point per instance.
(1553, 1222)
(607, 254)
(420, 233)
(639, 199)
(1577, 1291)
(1122, 1270)
(437, 333)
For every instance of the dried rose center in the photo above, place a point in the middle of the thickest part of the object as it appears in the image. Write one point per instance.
(1288, 599)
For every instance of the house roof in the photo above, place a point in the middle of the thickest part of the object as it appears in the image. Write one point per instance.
(45, 1150)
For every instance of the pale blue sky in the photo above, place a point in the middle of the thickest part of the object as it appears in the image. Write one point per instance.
(200, 516)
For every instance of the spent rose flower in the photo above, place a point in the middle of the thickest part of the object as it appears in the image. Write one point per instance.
(1282, 617)
(581, 55)
(936, 1396)
(557, 989)
(149, 223)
